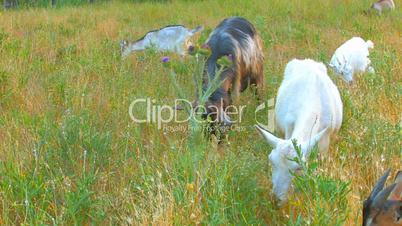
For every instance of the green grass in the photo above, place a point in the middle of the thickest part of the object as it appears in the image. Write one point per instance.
(70, 154)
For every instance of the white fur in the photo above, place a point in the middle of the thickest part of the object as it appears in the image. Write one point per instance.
(308, 109)
(352, 57)
(383, 5)
(169, 39)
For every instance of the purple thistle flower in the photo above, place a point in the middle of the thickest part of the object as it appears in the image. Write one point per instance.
(191, 48)
(165, 59)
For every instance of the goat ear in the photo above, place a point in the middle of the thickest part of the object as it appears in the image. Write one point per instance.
(379, 185)
(397, 192)
(271, 139)
(382, 197)
(314, 140)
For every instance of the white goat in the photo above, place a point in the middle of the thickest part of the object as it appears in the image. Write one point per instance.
(173, 38)
(308, 109)
(352, 57)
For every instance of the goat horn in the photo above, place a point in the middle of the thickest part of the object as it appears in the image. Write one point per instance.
(271, 139)
(381, 197)
(398, 177)
(379, 185)
(397, 192)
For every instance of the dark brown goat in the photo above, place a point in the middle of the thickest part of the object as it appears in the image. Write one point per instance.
(237, 39)
(384, 206)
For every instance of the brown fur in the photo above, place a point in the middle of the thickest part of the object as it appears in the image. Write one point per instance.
(249, 73)
(240, 76)
(386, 211)
(236, 38)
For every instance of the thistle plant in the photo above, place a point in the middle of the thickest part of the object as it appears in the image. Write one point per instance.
(327, 195)
(200, 55)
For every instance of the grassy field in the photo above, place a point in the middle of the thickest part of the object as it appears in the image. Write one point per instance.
(70, 154)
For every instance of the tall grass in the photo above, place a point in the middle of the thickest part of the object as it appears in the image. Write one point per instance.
(70, 154)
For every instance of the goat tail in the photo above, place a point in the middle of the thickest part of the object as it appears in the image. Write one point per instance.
(370, 44)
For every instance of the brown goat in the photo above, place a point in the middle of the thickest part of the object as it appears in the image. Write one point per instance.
(384, 206)
(237, 39)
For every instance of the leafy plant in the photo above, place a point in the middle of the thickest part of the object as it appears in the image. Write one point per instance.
(324, 198)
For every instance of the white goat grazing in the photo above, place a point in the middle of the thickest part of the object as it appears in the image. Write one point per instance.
(382, 5)
(308, 109)
(352, 57)
(172, 38)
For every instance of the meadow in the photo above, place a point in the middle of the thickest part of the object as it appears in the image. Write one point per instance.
(71, 155)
